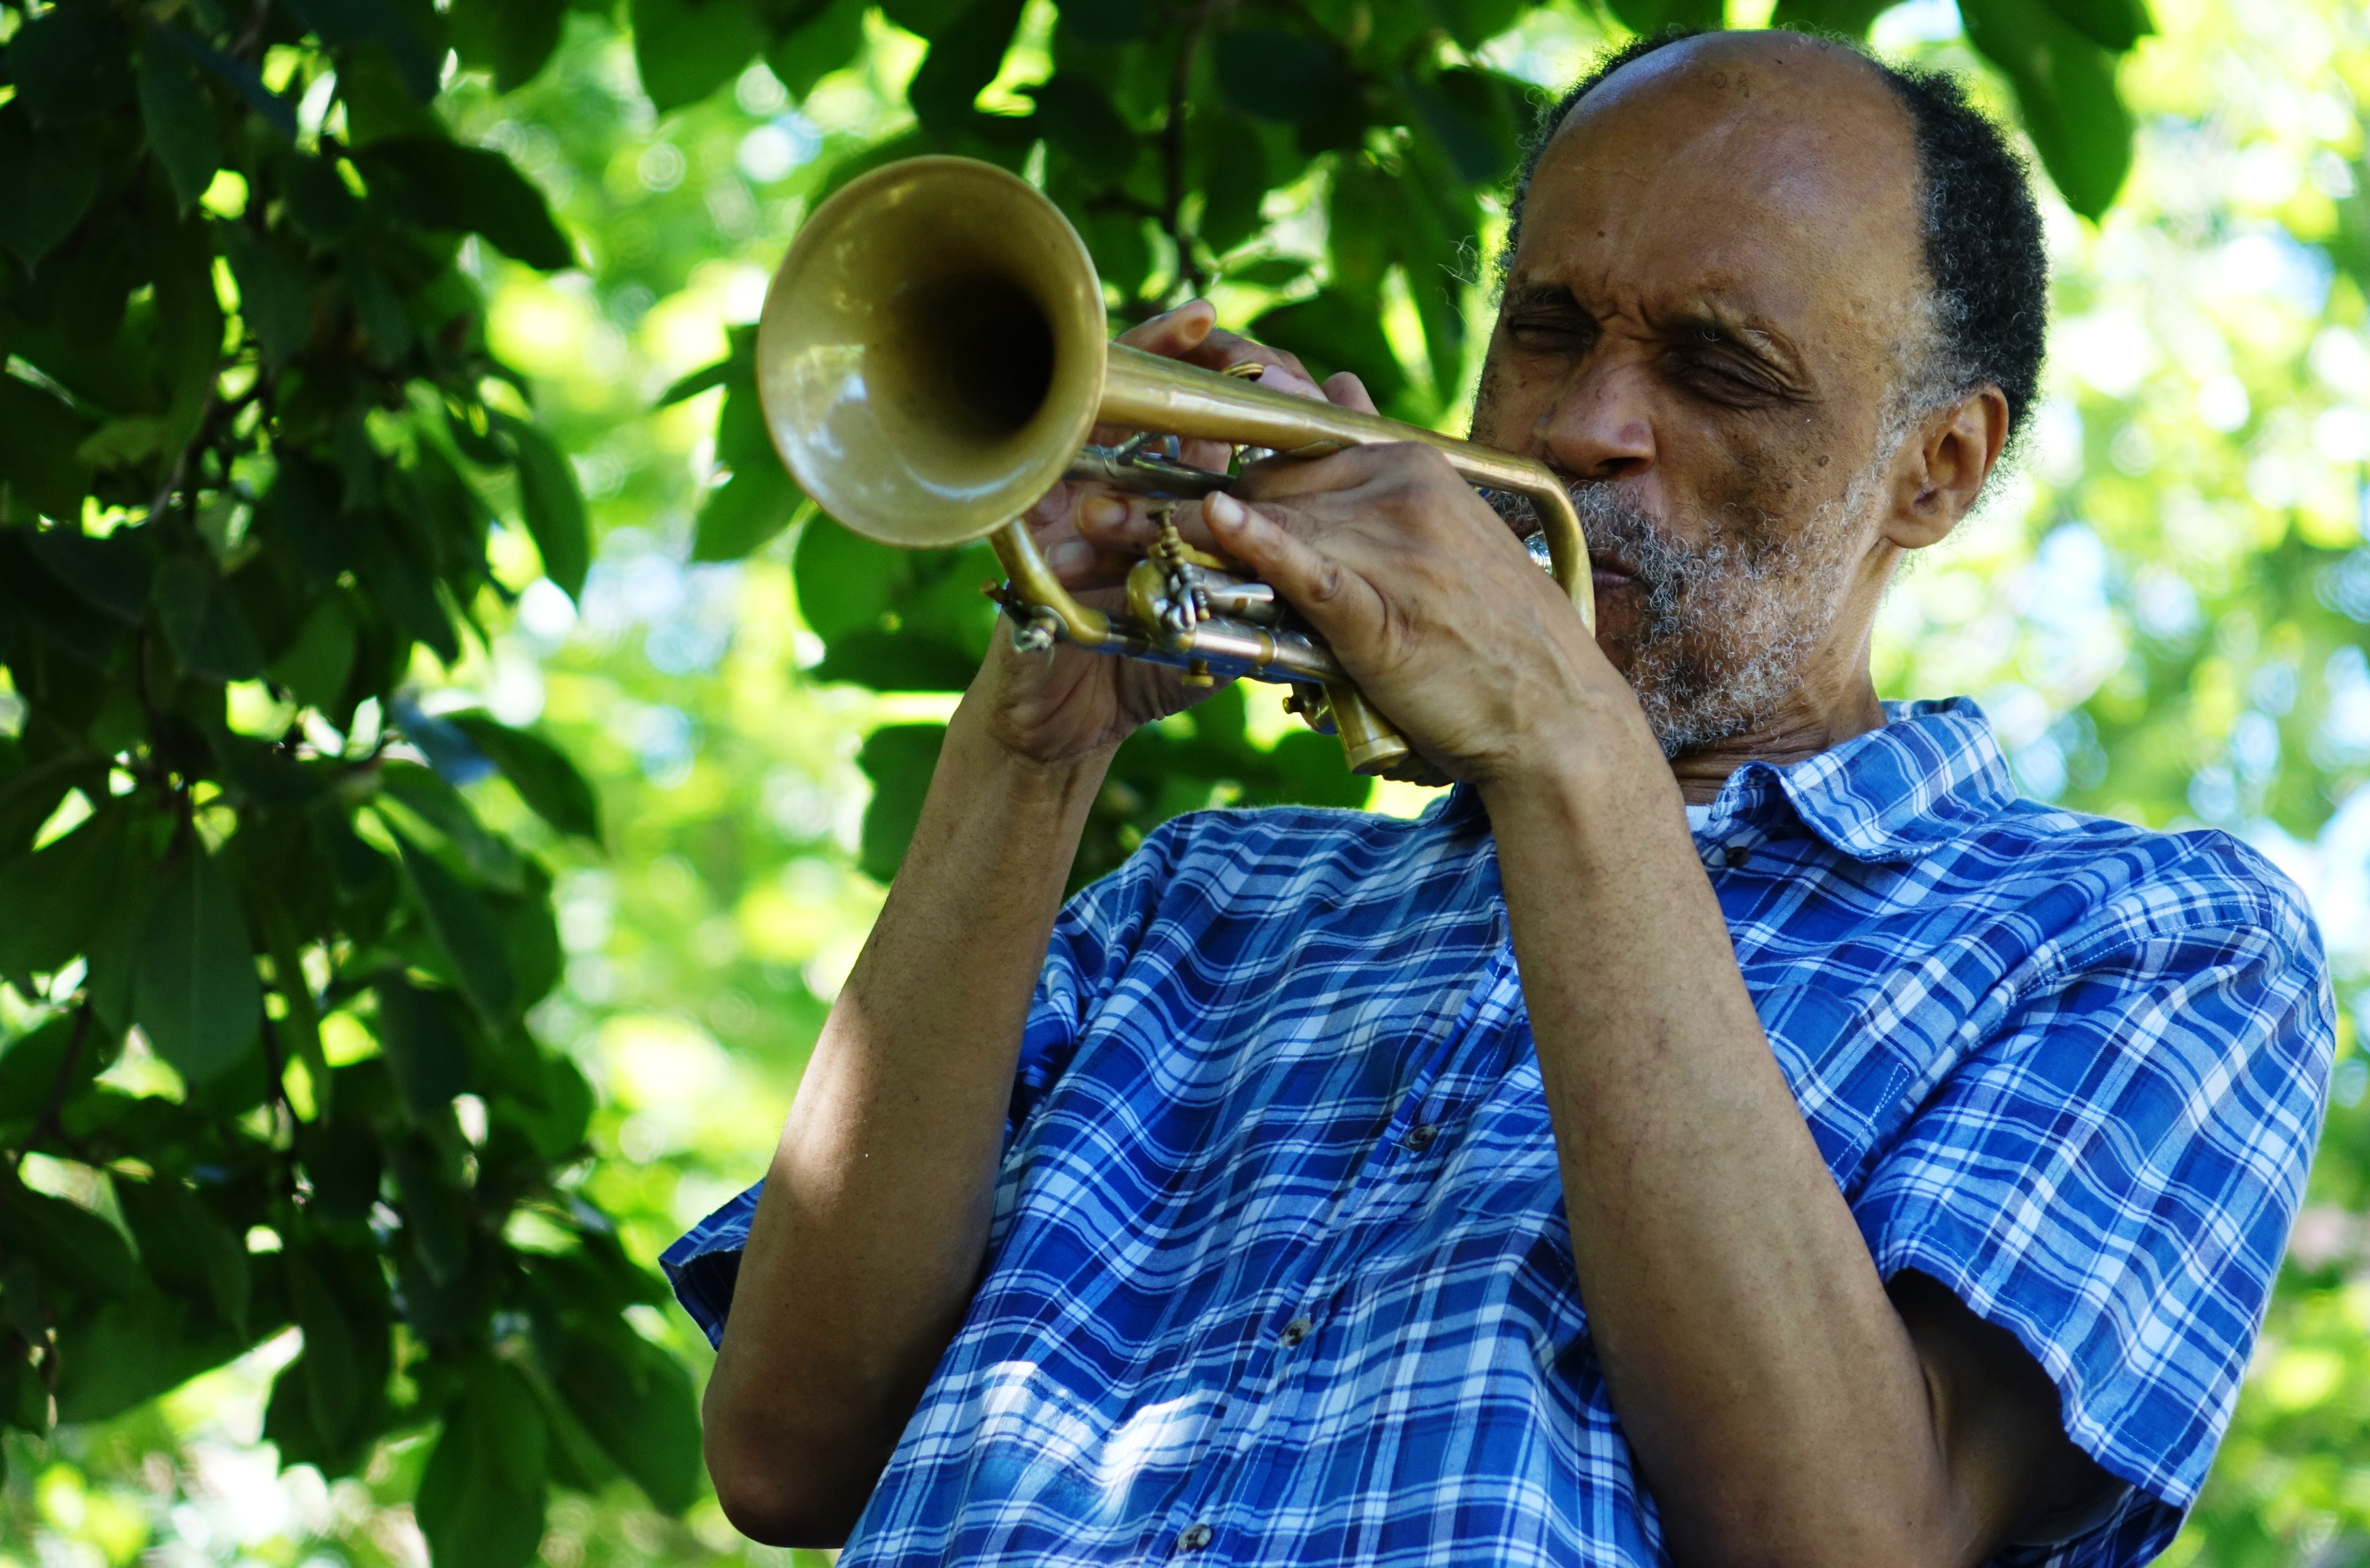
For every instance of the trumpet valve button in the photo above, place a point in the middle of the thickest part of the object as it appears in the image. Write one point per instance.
(1197, 674)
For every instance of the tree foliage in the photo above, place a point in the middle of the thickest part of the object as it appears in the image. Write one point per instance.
(258, 463)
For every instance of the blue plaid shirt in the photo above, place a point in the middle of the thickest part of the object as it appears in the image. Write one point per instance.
(1279, 1272)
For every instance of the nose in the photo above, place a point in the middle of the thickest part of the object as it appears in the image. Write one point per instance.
(1601, 428)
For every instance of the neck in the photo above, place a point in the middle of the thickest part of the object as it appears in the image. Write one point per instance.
(1807, 725)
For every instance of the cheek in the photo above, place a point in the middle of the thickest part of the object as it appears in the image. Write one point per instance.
(1765, 482)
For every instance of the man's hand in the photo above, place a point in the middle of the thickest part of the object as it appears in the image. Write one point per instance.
(1064, 705)
(1436, 610)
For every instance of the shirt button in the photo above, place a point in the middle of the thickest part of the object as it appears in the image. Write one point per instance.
(1295, 1331)
(1419, 1138)
(1736, 855)
(1194, 1536)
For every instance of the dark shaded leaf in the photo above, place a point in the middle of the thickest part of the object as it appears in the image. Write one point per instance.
(417, 58)
(112, 574)
(1651, 15)
(316, 663)
(1105, 21)
(750, 509)
(636, 1402)
(71, 1246)
(1078, 118)
(464, 928)
(204, 621)
(425, 1049)
(686, 48)
(1477, 118)
(1273, 74)
(489, 858)
(130, 1351)
(45, 1066)
(964, 57)
(1233, 181)
(540, 772)
(53, 899)
(331, 1379)
(513, 38)
(186, 1246)
(179, 118)
(482, 1498)
(553, 506)
(1333, 330)
(71, 62)
(899, 760)
(274, 293)
(825, 41)
(445, 185)
(38, 435)
(278, 112)
(1841, 15)
(196, 995)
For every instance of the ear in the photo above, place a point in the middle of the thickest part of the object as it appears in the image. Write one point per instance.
(1941, 467)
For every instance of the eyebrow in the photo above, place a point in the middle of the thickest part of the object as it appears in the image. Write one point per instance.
(1738, 332)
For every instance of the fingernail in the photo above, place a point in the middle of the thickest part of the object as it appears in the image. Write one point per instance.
(1224, 511)
(1103, 511)
(1070, 555)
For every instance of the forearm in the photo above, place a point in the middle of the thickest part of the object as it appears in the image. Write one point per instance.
(1776, 1402)
(868, 1239)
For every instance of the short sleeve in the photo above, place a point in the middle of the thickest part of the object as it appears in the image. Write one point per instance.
(1091, 939)
(2111, 1174)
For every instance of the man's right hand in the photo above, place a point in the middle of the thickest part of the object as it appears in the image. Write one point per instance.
(1066, 705)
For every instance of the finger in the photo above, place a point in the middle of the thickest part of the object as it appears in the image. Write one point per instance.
(1334, 600)
(1221, 348)
(1178, 333)
(1349, 391)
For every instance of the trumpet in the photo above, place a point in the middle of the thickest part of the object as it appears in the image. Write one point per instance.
(932, 358)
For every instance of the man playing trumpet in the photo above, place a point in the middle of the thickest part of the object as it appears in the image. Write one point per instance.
(1730, 1127)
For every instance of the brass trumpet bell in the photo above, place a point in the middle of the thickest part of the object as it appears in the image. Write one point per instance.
(932, 359)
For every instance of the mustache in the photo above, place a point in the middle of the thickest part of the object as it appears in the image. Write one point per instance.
(1623, 535)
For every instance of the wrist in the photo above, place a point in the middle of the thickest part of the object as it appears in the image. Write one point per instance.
(976, 752)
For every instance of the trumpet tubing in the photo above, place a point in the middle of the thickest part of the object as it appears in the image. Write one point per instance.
(932, 359)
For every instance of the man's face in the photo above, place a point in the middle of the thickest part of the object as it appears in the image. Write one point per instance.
(1718, 284)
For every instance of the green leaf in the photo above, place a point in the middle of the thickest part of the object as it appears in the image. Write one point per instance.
(1335, 330)
(2065, 93)
(821, 44)
(46, 178)
(278, 112)
(54, 1063)
(686, 48)
(186, 1246)
(1233, 181)
(53, 899)
(514, 37)
(2113, 25)
(1080, 119)
(481, 1497)
(636, 1402)
(424, 1048)
(1273, 74)
(899, 760)
(464, 928)
(964, 57)
(71, 63)
(1473, 23)
(112, 574)
(540, 772)
(130, 1351)
(202, 620)
(274, 293)
(893, 620)
(315, 666)
(490, 858)
(552, 505)
(331, 1378)
(445, 185)
(750, 509)
(417, 58)
(38, 435)
(70, 1245)
(196, 995)
(1475, 116)
(179, 118)
(1851, 17)
(1651, 15)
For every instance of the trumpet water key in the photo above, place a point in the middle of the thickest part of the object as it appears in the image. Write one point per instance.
(932, 359)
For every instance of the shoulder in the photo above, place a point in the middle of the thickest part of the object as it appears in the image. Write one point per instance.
(2147, 881)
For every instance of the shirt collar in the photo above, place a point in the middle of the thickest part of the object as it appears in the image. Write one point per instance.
(1888, 797)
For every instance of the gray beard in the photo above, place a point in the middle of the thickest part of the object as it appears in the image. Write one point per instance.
(1728, 625)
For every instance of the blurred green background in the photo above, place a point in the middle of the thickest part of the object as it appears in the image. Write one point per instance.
(2164, 609)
